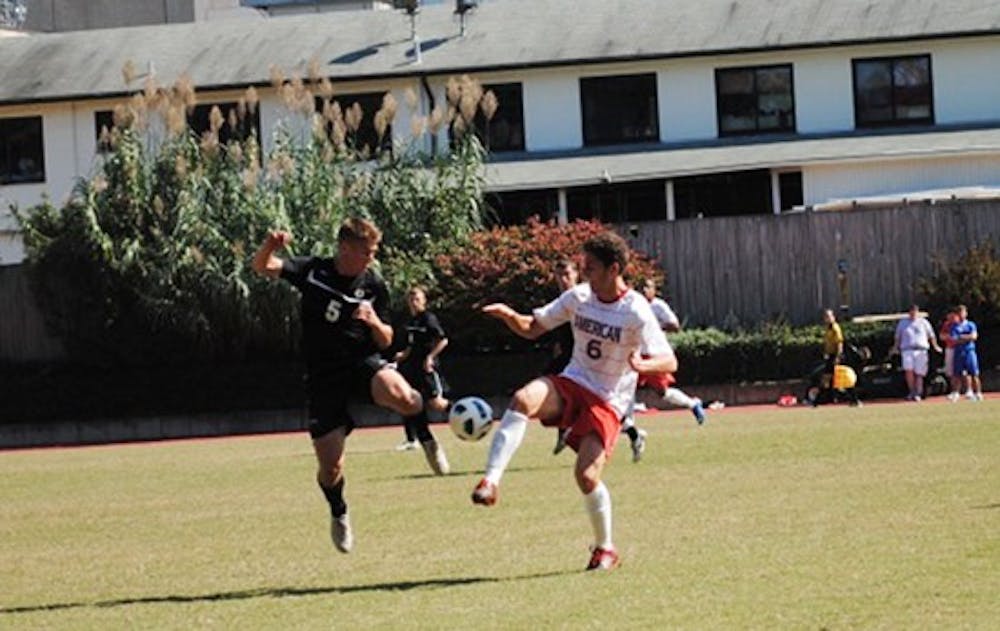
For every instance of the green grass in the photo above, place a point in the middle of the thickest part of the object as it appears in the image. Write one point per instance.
(886, 517)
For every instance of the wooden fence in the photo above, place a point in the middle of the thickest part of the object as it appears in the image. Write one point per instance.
(720, 270)
(754, 268)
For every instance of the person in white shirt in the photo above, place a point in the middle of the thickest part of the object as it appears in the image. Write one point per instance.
(914, 339)
(613, 328)
(670, 323)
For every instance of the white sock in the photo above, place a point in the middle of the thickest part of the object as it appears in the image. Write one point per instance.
(598, 506)
(506, 440)
(674, 396)
(627, 422)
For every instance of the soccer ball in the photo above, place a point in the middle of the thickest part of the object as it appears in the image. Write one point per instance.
(470, 418)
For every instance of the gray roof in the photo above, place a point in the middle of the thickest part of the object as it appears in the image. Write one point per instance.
(502, 34)
(529, 172)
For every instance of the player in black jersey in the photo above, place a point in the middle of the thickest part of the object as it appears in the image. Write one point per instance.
(561, 338)
(344, 313)
(418, 362)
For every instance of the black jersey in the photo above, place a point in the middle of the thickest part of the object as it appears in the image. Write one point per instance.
(330, 334)
(424, 331)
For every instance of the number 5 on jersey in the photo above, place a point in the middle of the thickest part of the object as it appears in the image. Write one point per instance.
(332, 311)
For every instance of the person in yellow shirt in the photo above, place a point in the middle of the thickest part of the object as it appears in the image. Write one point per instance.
(833, 352)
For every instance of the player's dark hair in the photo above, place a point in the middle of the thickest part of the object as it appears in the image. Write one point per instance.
(563, 264)
(608, 247)
(358, 229)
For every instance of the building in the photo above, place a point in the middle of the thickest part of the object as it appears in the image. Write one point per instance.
(629, 110)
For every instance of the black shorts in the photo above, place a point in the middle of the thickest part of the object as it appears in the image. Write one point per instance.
(332, 387)
(430, 385)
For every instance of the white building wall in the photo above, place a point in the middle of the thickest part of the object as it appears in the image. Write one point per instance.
(824, 94)
(552, 117)
(686, 94)
(822, 183)
(966, 77)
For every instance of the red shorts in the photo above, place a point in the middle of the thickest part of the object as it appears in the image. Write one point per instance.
(585, 413)
(658, 381)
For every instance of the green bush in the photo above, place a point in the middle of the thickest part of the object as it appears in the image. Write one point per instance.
(771, 352)
(148, 262)
(972, 279)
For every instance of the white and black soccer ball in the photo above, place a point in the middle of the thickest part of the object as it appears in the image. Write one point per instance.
(470, 418)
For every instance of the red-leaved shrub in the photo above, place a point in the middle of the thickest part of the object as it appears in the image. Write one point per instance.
(514, 265)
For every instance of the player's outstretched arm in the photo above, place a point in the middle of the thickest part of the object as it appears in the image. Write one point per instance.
(523, 325)
(265, 262)
(655, 364)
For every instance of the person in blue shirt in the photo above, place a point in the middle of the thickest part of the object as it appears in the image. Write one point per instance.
(964, 334)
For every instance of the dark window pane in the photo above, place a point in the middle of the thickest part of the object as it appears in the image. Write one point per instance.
(365, 137)
(234, 127)
(618, 203)
(752, 100)
(104, 120)
(893, 91)
(516, 207)
(723, 194)
(22, 153)
(505, 131)
(790, 189)
(619, 109)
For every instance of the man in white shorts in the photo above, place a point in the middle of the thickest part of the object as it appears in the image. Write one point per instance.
(613, 327)
(914, 339)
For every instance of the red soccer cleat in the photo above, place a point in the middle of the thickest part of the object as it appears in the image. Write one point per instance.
(603, 559)
(485, 493)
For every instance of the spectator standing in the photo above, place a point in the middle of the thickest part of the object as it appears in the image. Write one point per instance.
(965, 333)
(913, 339)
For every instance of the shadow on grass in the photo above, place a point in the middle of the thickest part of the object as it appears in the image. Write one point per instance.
(281, 592)
(476, 473)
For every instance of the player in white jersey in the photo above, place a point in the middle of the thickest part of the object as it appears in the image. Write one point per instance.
(671, 324)
(613, 328)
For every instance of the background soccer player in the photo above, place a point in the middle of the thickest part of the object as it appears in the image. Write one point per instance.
(418, 363)
(613, 326)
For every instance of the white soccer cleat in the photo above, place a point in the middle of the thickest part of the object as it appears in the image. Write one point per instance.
(406, 445)
(639, 445)
(341, 533)
(953, 397)
(436, 458)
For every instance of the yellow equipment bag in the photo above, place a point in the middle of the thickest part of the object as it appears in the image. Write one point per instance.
(844, 377)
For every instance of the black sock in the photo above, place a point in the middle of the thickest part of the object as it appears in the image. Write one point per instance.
(632, 432)
(335, 497)
(419, 424)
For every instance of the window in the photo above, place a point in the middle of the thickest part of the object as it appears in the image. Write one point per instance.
(22, 155)
(754, 100)
(199, 121)
(516, 207)
(619, 109)
(619, 203)
(790, 189)
(723, 194)
(505, 131)
(104, 119)
(365, 138)
(893, 91)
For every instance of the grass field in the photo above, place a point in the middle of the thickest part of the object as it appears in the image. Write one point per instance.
(885, 517)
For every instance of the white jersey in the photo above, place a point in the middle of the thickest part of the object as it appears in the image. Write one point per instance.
(664, 314)
(604, 337)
